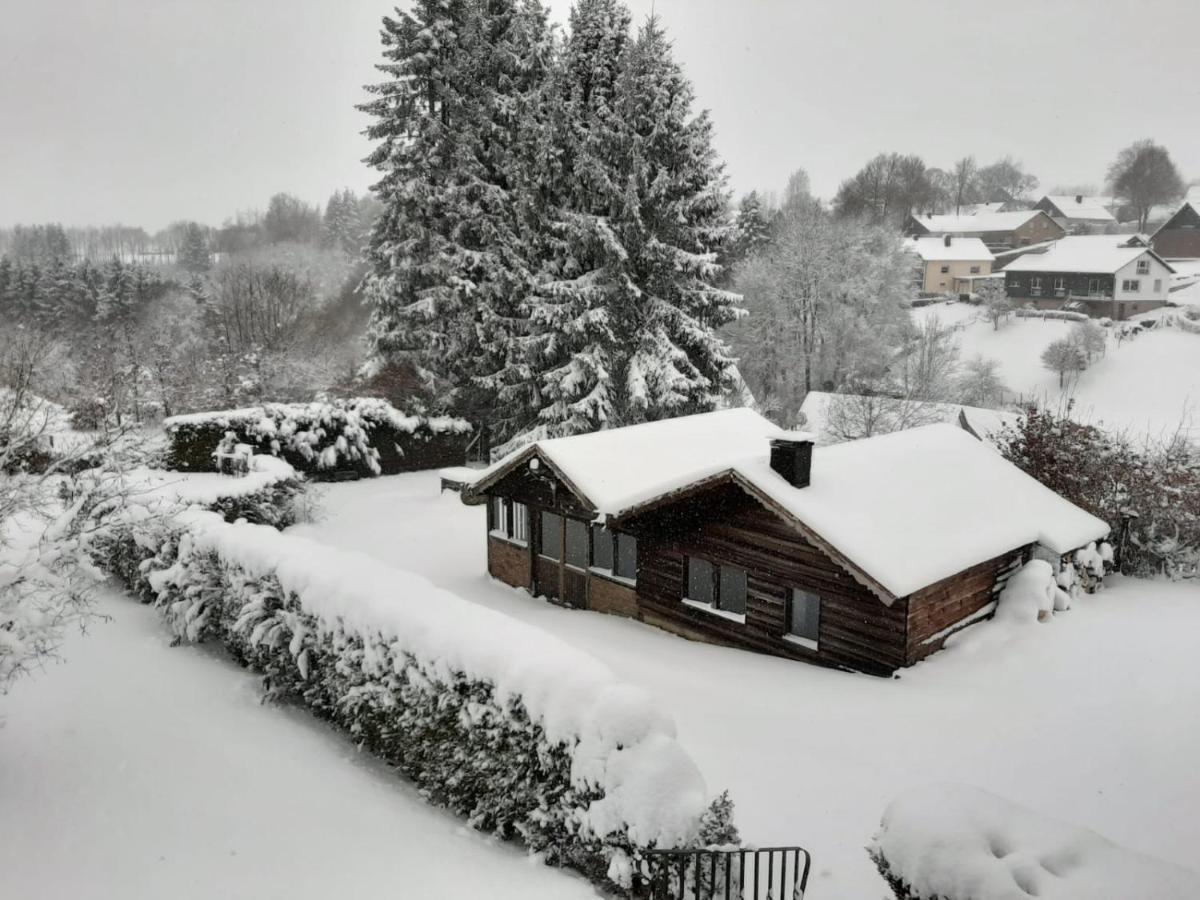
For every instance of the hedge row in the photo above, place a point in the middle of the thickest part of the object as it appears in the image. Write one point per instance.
(547, 752)
(342, 439)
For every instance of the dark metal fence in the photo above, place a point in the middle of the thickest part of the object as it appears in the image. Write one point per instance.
(773, 873)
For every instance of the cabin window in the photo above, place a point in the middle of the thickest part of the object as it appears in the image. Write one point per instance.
(602, 548)
(1143, 267)
(1035, 286)
(700, 581)
(1131, 285)
(974, 270)
(1093, 287)
(945, 270)
(1158, 285)
(551, 536)
(804, 618)
(577, 544)
(520, 523)
(626, 557)
(498, 516)
(731, 593)
(1060, 286)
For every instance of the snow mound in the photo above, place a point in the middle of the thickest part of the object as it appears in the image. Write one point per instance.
(954, 842)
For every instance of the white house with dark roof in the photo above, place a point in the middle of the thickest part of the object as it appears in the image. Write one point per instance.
(724, 528)
(1079, 213)
(1110, 276)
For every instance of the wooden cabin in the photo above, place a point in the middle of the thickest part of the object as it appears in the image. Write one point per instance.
(723, 528)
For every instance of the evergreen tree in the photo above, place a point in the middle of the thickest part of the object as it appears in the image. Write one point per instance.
(193, 254)
(752, 228)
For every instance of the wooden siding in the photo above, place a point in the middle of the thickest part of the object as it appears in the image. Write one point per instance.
(509, 562)
(1179, 237)
(934, 611)
(856, 631)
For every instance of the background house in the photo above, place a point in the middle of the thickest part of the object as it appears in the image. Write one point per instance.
(723, 528)
(1078, 213)
(1179, 236)
(998, 230)
(1102, 275)
(950, 264)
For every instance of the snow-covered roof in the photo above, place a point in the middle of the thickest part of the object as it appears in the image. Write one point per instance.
(963, 249)
(983, 222)
(1074, 206)
(1102, 253)
(903, 511)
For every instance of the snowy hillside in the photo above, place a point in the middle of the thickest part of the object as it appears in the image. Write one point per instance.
(1148, 384)
(814, 756)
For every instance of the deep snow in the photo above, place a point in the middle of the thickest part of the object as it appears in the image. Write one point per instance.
(1086, 718)
(1150, 384)
(137, 771)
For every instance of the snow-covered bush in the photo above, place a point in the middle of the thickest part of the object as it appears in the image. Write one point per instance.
(363, 437)
(950, 842)
(1110, 477)
(521, 734)
(1063, 314)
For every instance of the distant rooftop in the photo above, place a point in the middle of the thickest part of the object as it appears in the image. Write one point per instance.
(983, 222)
(1077, 206)
(963, 249)
(1101, 253)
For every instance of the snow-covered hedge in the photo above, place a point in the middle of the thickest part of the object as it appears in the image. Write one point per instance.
(1064, 314)
(960, 843)
(362, 438)
(518, 732)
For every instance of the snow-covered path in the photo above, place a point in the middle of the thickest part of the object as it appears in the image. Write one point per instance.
(137, 770)
(1091, 719)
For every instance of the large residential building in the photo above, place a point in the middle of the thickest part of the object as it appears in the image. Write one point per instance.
(1078, 213)
(1102, 275)
(950, 265)
(999, 230)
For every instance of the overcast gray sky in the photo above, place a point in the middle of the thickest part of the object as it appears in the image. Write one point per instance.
(145, 111)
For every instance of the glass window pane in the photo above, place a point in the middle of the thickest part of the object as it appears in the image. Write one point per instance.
(602, 547)
(626, 556)
(699, 580)
(499, 521)
(551, 537)
(520, 522)
(577, 543)
(733, 590)
(805, 618)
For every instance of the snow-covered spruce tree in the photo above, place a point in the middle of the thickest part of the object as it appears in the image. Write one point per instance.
(628, 311)
(446, 250)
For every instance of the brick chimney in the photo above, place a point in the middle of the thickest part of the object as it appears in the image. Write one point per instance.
(791, 457)
(1079, 198)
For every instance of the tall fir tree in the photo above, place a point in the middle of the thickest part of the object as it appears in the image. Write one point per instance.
(194, 256)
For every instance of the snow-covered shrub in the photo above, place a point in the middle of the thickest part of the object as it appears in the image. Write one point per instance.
(1110, 477)
(521, 734)
(1032, 594)
(363, 438)
(951, 842)
(1063, 314)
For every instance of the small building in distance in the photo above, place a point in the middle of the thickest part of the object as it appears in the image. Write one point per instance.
(1179, 236)
(950, 265)
(998, 230)
(1112, 276)
(723, 528)
(1079, 214)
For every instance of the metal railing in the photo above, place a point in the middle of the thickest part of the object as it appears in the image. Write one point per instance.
(771, 873)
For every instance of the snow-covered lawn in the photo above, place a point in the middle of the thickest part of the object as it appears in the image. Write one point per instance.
(137, 771)
(1148, 384)
(1090, 719)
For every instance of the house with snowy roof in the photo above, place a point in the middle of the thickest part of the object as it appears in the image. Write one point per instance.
(1179, 236)
(1077, 213)
(1114, 276)
(724, 528)
(998, 230)
(949, 264)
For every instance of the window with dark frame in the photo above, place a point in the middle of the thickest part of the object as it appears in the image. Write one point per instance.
(550, 538)
(721, 587)
(700, 588)
(577, 544)
(804, 616)
(731, 589)
(602, 548)
(626, 557)
(1143, 267)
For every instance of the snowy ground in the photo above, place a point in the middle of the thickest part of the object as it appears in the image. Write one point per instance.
(1090, 719)
(1150, 384)
(137, 771)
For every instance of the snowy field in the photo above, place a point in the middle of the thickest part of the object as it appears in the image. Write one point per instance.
(1090, 720)
(1150, 384)
(137, 771)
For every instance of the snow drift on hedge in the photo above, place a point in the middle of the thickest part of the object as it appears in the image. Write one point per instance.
(622, 743)
(961, 843)
(268, 417)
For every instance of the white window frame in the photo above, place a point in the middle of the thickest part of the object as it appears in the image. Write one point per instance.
(1035, 286)
(1131, 286)
(510, 521)
(1143, 267)
(1060, 286)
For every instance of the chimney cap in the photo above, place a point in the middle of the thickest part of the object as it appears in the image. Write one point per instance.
(794, 437)
(1079, 198)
